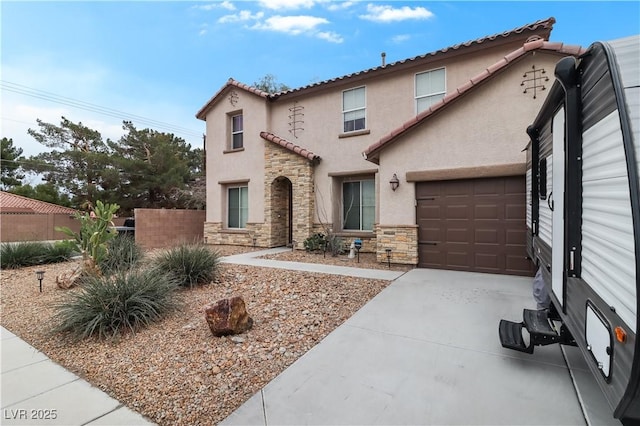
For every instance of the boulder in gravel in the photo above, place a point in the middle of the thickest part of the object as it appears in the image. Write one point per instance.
(228, 316)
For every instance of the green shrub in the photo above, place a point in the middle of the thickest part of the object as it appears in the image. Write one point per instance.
(60, 251)
(30, 253)
(122, 254)
(315, 242)
(17, 255)
(106, 306)
(335, 245)
(190, 265)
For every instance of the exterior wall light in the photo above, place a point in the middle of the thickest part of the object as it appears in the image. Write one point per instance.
(394, 182)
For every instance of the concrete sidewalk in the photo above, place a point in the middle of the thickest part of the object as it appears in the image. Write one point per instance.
(252, 259)
(426, 351)
(37, 391)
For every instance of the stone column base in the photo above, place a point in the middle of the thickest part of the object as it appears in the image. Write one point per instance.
(401, 239)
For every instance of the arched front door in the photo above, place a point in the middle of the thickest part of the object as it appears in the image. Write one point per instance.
(281, 211)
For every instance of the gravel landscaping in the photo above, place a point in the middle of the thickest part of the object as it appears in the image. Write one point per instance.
(367, 260)
(176, 371)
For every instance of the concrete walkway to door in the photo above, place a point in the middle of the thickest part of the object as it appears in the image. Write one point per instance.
(426, 351)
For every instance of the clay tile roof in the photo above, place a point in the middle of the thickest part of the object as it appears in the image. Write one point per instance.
(290, 146)
(12, 203)
(201, 114)
(372, 152)
(541, 28)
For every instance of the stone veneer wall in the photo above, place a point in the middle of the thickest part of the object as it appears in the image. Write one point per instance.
(280, 162)
(214, 233)
(401, 239)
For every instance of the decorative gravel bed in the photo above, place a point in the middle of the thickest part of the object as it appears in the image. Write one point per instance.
(176, 372)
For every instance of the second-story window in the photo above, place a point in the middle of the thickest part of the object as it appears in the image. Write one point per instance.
(430, 88)
(236, 131)
(354, 109)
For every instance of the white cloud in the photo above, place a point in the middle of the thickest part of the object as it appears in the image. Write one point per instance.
(330, 36)
(337, 6)
(212, 6)
(386, 13)
(242, 16)
(291, 24)
(400, 38)
(287, 4)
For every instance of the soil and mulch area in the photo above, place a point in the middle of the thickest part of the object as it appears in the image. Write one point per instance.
(176, 371)
(366, 260)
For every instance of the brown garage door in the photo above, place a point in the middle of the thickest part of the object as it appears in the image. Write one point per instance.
(473, 225)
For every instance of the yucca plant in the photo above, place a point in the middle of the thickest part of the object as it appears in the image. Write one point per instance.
(122, 254)
(106, 306)
(190, 264)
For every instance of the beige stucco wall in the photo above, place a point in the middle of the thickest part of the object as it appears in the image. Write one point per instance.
(247, 165)
(390, 103)
(485, 128)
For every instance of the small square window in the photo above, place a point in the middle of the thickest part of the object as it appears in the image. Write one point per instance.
(354, 109)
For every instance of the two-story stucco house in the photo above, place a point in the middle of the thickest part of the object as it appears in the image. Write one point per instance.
(421, 156)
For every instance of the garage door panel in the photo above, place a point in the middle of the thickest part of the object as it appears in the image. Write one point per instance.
(474, 225)
(486, 211)
(487, 262)
(486, 236)
(457, 211)
(457, 235)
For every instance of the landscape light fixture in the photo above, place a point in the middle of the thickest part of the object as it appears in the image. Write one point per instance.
(40, 277)
(388, 257)
(357, 244)
(394, 182)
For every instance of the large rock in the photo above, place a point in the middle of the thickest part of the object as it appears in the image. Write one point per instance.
(228, 316)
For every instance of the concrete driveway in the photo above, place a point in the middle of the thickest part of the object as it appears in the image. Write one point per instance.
(426, 351)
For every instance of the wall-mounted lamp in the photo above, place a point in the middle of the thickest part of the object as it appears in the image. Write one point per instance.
(394, 182)
(40, 277)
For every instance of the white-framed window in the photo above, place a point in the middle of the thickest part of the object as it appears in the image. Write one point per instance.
(430, 88)
(358, 204)
(354, 109)
(238, 207)
(236, 131)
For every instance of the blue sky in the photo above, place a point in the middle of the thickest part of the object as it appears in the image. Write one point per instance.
(156, 63)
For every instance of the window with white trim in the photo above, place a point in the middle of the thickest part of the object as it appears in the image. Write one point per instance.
(358, 205)
(354, 109)
(238, 207)
(430, 88)
(236, 131)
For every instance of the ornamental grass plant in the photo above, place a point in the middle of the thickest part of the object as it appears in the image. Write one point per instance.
(105, 306)
(123, 254)
(190, 264)
(31, 253)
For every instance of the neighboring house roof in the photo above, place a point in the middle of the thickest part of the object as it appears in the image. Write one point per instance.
(290, 146)
(373, 151)
(541, 28)
(12, 203)
(230, 83)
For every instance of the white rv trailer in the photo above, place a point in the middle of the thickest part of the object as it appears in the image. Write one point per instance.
(583, 218)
